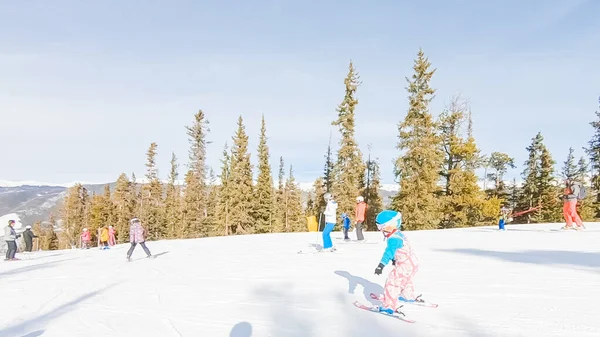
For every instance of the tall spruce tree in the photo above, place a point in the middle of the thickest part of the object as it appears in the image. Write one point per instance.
(349, 167)
(463, 200)
(586, 208)
(293, 203)
(570, 169)
(75, 214)
(212, 205)
(265, 207)
(223, 218)
(173, 202)
(124, 199)
(328, 170)
(280, 206)
(240, 183)
(417, 169)
(499, 162)
(593, 151)
(152, 198)
(196, 191)
(372, 196)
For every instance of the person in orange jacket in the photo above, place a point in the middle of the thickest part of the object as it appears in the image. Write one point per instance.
(359, 217)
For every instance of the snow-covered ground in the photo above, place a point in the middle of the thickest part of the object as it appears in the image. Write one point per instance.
(531, 280)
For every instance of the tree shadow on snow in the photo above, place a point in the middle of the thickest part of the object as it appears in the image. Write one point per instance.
(242, 329)
(36, 322)
(368, 286)
(33, 267)
(543, 257)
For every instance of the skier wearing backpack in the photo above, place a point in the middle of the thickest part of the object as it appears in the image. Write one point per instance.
(573, 192)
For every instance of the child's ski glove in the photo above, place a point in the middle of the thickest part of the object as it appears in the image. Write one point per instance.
(379, 269)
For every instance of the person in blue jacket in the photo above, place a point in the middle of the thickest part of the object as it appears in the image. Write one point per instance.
(346, 225)
(399, 285)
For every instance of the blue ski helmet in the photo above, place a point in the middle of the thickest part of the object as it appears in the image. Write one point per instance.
(389, 219)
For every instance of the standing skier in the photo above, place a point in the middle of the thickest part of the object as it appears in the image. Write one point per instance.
(111, 236)
(86, 238)
(10, 236)
(330, 219)
(346, 224)
(137, 234)
(399, 286)
(104, 237)
(28, 237)
(504, 217)
(571, 193)
(359, 217)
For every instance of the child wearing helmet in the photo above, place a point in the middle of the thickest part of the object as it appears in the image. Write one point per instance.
(330, 219)
(399, 285)
(346, 224)
(86, 238)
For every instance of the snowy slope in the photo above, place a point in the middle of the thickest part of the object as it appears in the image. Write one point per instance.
(529, 281)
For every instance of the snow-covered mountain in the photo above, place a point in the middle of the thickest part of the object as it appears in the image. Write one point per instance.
(531, 280)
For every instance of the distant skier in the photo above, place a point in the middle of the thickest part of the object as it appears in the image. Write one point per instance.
(104, 237)
(137, 234)
(572, 192)
(359, 217)
(111, 236)
(504, 217)
(11, 236)
(28, 237)
(399, 285)
(86, 239)
(346, 224)
(330, 220)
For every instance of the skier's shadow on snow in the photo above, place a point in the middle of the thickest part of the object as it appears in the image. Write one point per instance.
(368, 286)
(242, 329)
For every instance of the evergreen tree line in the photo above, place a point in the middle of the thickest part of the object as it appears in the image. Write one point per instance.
(435, 169)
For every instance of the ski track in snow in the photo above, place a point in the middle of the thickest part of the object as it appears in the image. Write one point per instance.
(531, 280)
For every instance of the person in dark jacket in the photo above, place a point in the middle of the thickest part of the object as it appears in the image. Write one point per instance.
(28, 238)
(11, 236)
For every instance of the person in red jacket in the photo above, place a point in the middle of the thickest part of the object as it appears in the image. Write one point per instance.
(359, 217)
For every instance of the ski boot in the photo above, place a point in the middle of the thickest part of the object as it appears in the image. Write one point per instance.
(391, 312)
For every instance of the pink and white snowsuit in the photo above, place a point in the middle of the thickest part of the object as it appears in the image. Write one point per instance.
(111, 236)
(399, 282)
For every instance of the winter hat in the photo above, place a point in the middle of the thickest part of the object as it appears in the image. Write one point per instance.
(134, 220)
(389, 220)
(85, 229)
(344, 215)
(27, 227)
(11, 222)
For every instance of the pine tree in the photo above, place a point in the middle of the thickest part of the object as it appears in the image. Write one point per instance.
(328, 171)
(240, 183)
(349, 167)
(418, 167)
(499, 162)
(593, 151)
(280, 207)
(124, 200)
(173, 203)
(223, 207)
(372, 196)
(96, 218)
(293, 205)
(570, 169)
(539, 187)
(212, 205)
(196, 191)
(463, 200)
(75, 214)
(586, 208)
(152, 205)
(265, 208)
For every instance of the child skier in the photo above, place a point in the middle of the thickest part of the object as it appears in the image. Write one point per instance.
(346, 224)
(86, 238)
(504, 217)
(111, 236)
(137, 234)
(104, 237)
(330, 220)
(399, 285)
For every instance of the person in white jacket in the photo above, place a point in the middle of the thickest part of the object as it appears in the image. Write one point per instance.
(330, 219)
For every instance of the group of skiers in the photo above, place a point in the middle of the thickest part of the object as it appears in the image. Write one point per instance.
(106, 238)
(331, 219)
(106, 235)
(573, 191)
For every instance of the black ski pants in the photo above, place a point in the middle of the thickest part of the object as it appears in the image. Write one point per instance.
(143, 244)
(28, 246)
(11, 249)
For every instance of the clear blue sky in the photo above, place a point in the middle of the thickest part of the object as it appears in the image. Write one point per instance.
(86, 86)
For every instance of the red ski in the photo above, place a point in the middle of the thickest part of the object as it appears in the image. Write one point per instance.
(422, 304)
(399, 316)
